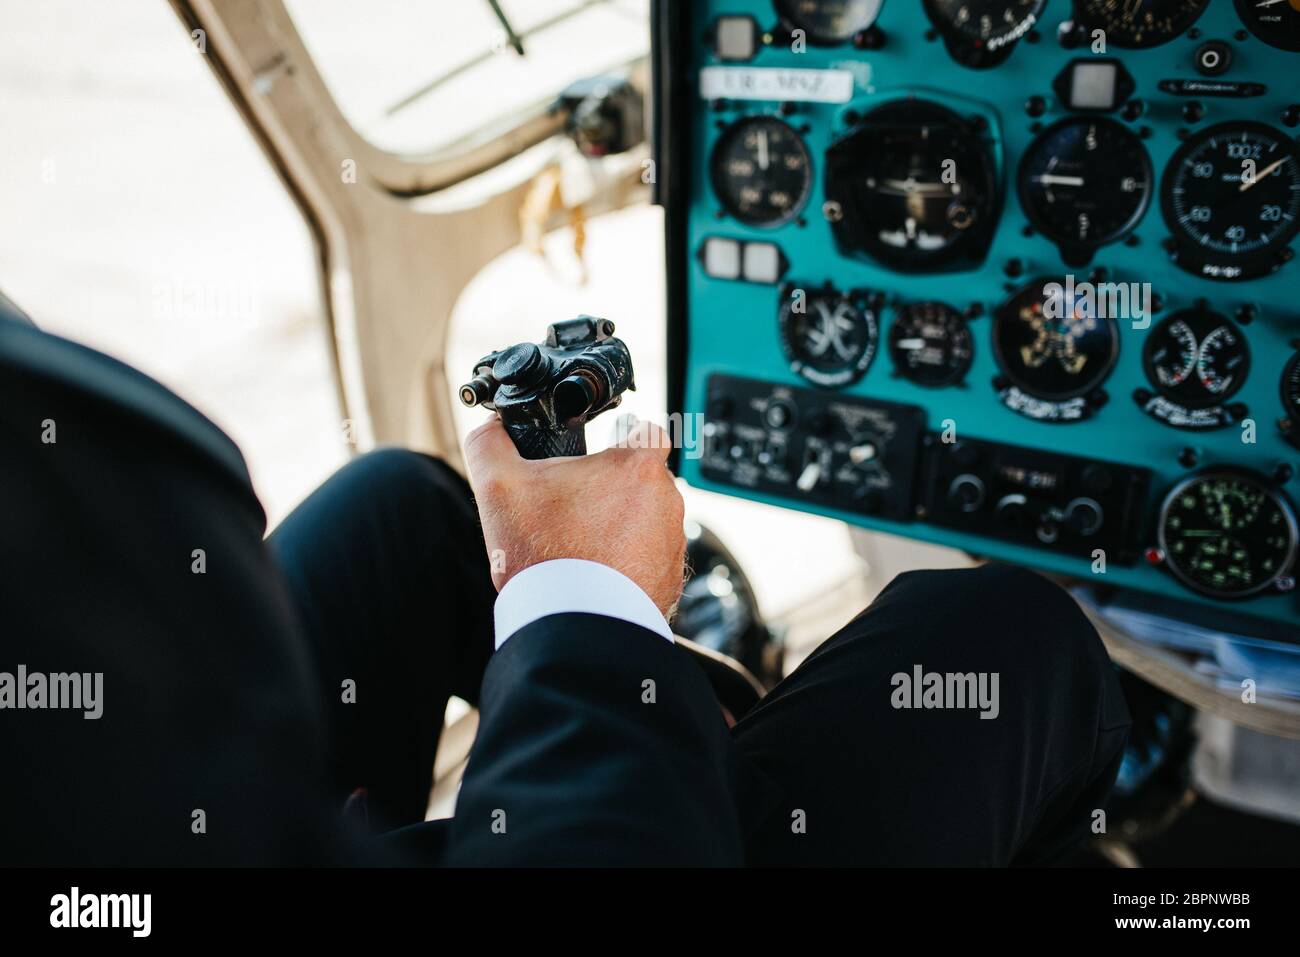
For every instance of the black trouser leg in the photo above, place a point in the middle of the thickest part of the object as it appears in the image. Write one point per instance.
(386, 567)
(866, 782)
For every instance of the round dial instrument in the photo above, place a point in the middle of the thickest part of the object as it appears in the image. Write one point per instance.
(1197, 358)
(1085, 182)
(829, 22)
(829, 337)
(982, 33)
(931, 344)
(913, 186)
(761, 171)
(1051, 343)
(1231, 198)
(1227, 534)
(1276, 22)
(1139, 24)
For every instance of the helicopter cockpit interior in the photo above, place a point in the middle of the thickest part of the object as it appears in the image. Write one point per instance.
(910, 283)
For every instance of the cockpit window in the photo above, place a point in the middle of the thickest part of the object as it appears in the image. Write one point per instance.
(456, 68)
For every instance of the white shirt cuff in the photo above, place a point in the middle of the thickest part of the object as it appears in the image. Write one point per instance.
(568, 585)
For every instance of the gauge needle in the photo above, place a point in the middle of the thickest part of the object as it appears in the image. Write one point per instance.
(764, 159)
(1245, 185)
(912, 186)
(911, 345)
(1049, 179)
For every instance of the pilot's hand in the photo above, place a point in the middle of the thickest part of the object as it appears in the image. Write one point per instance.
(619, 507)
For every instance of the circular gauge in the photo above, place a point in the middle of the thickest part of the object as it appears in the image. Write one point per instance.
(1051, 343)
(1197, 358)
(1139, 24)
(913, 187)
(931, 344)
(829, 337)
(1231, 197)
(829, 22)
(761, 171)
(1291, 400)
(1276, 22)
(1227, 534)
(1085, 182)
(981, 33)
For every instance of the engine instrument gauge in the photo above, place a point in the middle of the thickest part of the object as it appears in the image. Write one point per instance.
(913, 186)
(1231, 198)
(1276, 22)
(1197, 357)
(1196, 360)
(1085, 182)
(1139, 24)
(982, 33)
(761, 171)
(1227, 534)
(829, 22)
(931, 344)
(1052, 343)
(829, 337)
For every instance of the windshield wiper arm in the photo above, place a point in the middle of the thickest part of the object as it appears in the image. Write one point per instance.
(511, 37)
(581, 6)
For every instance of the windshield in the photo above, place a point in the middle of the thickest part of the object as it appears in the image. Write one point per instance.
(454, 67)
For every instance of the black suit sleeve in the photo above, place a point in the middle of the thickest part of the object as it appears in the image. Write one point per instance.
(599, 743)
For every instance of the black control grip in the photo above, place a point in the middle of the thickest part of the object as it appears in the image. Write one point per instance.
(535, 443)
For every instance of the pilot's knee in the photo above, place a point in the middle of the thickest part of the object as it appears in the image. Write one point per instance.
(391, 462)
(996, 606)
(398, 475)
(1035, 625)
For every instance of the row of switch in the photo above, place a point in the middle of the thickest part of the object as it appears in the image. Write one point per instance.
(1081, 516)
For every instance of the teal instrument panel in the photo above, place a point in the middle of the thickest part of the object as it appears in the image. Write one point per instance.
(1009, 276)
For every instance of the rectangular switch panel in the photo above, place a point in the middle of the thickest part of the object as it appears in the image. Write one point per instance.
(1032, 497)
(825, 448)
